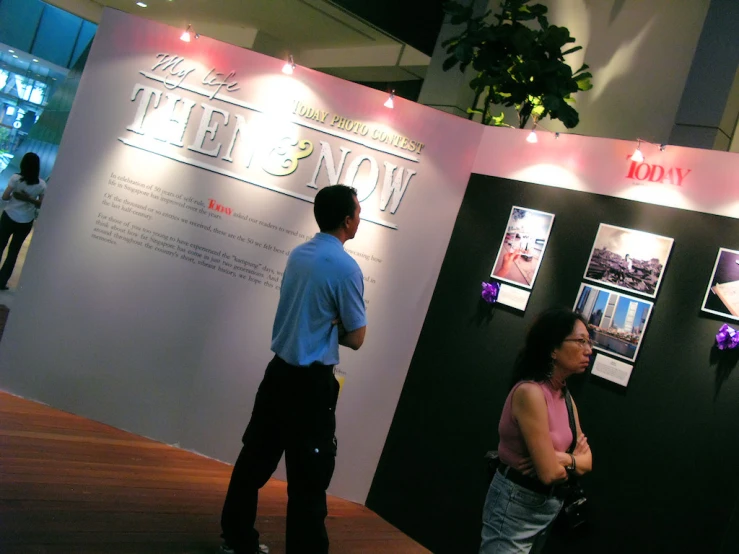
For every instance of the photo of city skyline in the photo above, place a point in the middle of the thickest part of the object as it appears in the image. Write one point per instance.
(616, 321)
(628, 259)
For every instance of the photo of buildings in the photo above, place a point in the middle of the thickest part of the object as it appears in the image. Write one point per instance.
(616, 322)
(522, 248)
(628, 259)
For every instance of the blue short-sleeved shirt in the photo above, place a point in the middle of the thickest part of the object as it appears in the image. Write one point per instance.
(321, 283)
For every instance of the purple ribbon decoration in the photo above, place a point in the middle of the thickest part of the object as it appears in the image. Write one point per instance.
(490, 292)
(727, 338)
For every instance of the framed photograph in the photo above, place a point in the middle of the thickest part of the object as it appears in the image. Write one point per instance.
(616, 321)
(722, 296)
(523, 245)
(629, 260)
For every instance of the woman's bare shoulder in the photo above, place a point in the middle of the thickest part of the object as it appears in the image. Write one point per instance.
(528, 392)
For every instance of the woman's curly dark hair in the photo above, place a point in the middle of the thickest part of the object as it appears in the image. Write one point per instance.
(547, 332)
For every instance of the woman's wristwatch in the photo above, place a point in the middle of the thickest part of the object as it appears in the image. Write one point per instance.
(573, 465)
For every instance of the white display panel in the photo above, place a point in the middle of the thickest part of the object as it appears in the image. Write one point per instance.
(185, 176)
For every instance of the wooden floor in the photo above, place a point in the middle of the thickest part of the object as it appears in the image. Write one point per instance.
(70, 485)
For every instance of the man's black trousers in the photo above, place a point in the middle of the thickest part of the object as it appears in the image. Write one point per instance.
(294, 413)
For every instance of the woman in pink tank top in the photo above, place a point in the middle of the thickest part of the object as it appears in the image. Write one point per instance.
(535, 437)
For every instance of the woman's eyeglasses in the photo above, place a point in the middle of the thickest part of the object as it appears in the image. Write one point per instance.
(582, 342)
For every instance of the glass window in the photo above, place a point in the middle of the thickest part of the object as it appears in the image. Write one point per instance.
(56, 36)
(23, 86)
(37, 93)
(18, 22)
(83, 41)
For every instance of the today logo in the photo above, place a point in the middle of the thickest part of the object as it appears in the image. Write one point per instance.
(655, 173)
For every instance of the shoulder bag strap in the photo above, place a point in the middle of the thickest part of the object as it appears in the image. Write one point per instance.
(571, 416)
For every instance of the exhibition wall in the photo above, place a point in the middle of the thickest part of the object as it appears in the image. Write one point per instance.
(664, 445)
(185, 176)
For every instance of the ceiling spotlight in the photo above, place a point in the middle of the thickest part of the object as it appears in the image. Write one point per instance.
(185, 37)
(532, 138)
(35, 60)
(141, 4)
(662, 147)
(289, 66)
(15, 55)
(11, 51)
(637, 156)
(389, 102)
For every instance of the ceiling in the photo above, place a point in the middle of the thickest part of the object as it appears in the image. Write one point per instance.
(26, 64)
(320, 34)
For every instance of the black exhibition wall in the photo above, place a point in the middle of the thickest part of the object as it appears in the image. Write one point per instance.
(665, 448)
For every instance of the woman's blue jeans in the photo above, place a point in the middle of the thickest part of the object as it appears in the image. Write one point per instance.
(516, 520)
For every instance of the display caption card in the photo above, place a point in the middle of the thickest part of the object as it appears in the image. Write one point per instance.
(513, 297)
(612, 370)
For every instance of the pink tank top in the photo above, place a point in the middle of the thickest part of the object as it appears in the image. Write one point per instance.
(512, 448)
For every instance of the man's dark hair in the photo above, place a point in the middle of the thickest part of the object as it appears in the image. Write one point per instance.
(332, 205)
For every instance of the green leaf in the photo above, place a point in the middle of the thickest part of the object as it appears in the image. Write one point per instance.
(463, 52)
(552, 102)
(524, 14)
(449, 63)
(571, 50)
(568, 116)
(584, 84)
(498, 119)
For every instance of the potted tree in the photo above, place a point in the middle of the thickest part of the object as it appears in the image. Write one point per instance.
(519, 60)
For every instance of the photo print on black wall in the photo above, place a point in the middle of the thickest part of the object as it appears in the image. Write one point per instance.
(616, 322)
(722, 295)
(628, 259)
(523, 245)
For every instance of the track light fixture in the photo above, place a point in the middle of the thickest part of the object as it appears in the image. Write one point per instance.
(389, 102)
(532, 138)
(187, 35)
(637, 156)
(289, 66)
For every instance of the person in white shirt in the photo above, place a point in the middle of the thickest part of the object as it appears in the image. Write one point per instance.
(24, 194)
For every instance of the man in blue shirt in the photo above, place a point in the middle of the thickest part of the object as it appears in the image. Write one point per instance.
(321, 307)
